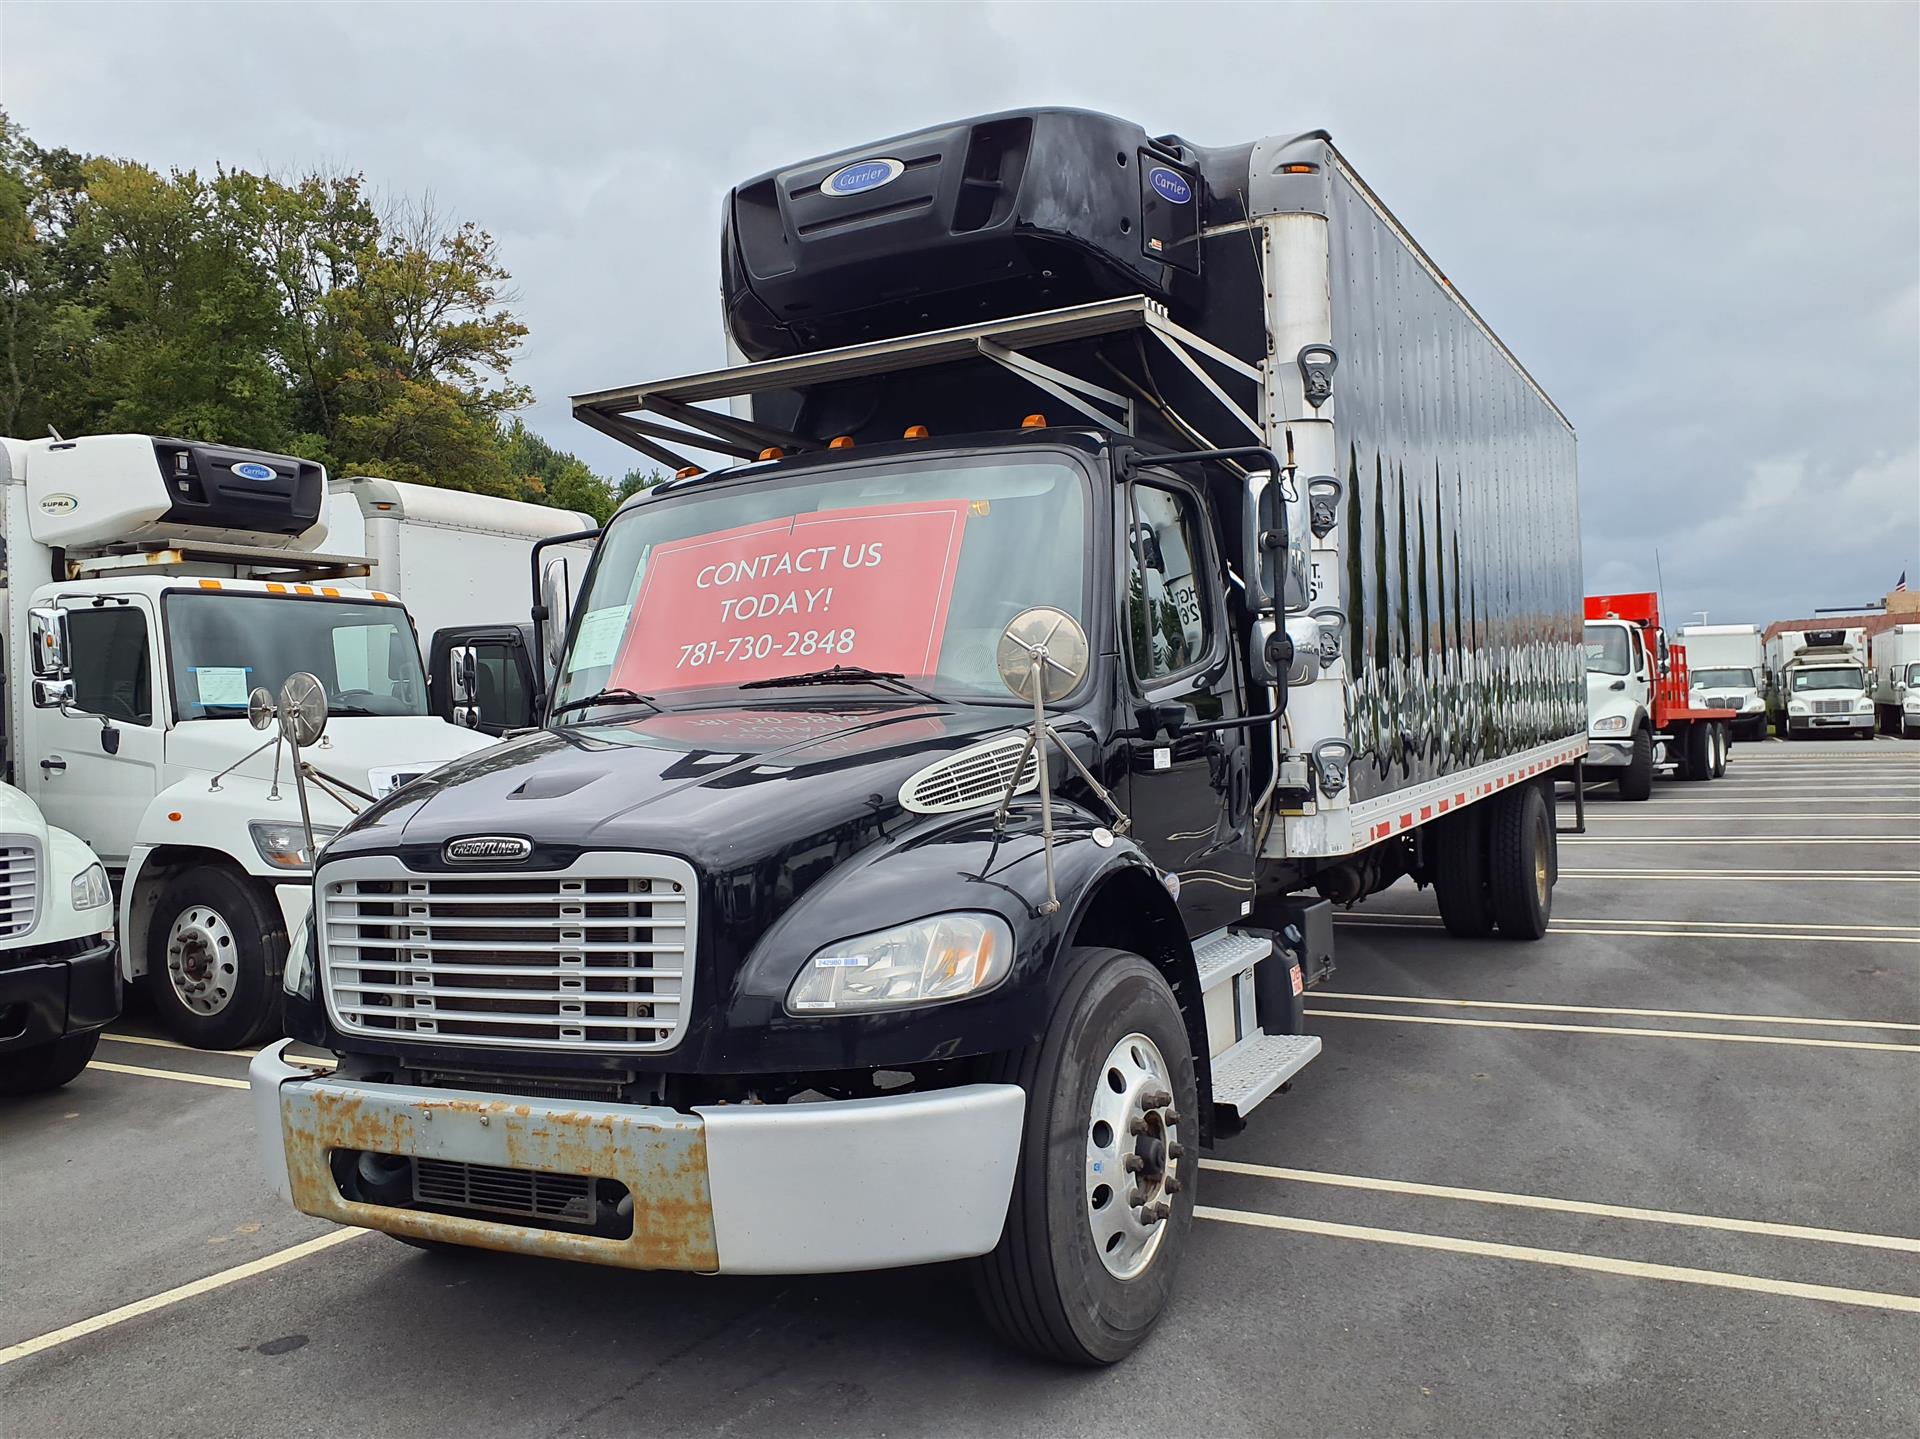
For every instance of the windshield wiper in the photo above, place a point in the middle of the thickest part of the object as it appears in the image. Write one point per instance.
(847, 675)
(609, 697)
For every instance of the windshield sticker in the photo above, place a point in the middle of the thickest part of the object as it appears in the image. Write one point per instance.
(865, 587)
(598, 640)
(222, 684)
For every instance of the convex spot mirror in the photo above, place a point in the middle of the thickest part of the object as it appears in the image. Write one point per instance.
(50, 648)
(303, 709)
(1046, 642)
(463, 682)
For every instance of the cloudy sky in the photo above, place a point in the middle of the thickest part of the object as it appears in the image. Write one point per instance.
(1699, 226)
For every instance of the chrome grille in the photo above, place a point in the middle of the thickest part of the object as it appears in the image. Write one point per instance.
(455, 1184)
(19, 888)
(593, 958)
(1724, 702)
(1832, 707)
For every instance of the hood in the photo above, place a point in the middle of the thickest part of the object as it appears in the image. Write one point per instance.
(718, 787)
(372, 753)
(20, 817)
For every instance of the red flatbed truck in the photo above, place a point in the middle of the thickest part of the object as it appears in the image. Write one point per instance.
(1638, 710)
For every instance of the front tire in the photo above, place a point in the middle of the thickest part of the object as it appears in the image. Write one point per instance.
(1521, 873)
(215, 954)
(47, 1066)
(1079, 1275)
(1636, 782)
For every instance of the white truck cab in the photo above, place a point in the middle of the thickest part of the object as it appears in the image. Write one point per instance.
(1896, 679)
(58, 983)
(1620, 679)
(154, 584)
(1727, 669)
(1823, 688)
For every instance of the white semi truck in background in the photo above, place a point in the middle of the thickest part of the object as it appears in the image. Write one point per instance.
(151, 585)
(1896, 679)
(58, 984)
(1818, 682)
(1727, 669)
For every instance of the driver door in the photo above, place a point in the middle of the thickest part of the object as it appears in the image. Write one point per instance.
(1189, 794)
(97, 765)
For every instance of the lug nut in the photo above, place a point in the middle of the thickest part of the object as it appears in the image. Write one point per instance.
(1170, 1117)
(1174, 1186)
(1139, 1126)
(1176, 1151)
(1132, 1163)
(1156, 1099)
(1136, 1198)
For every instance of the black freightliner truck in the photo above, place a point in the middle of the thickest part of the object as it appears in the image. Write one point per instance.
(1134, 550)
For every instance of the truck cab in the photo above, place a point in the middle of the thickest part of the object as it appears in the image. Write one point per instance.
(1824, 691)
(156, 584)
(58, 983)
(1621, 671)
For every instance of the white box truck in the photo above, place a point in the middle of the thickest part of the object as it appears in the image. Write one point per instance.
(1727, 670)
(1820, 685)
(152, 584)
(1896, 679)
(59, 986)
(1139, 549)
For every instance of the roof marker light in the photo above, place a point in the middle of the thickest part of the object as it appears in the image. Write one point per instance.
(773, 452)
(840, 442)
(687, 472)
(915, 432)
(1034, 422)
(209, 584)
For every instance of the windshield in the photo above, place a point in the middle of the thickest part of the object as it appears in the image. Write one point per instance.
(1607, 651)
(1913, 674)
(910, 568)
(223, 645)
(1724, 680)
(1843, 677)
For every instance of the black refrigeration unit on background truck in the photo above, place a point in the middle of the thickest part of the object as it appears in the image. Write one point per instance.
(1138, 549)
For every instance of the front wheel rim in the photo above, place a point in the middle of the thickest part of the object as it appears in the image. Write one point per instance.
(1134, 1162)
(203, 960)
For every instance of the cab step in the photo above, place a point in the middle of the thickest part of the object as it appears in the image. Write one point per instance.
(1257, 1066)
(1224, 953)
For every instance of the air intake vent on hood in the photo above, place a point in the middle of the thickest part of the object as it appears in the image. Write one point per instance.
(972, 778)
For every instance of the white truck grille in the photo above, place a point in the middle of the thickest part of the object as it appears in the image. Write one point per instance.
(19, 887)
(1832, 707)
(594, 958)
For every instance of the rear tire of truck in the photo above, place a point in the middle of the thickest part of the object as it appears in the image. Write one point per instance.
(1700, 748)
(215, 953)
(1636, 781)
(1522, 869)
(1460, 875)
(1722, 747)
(46, 1066)
(1079, 1275)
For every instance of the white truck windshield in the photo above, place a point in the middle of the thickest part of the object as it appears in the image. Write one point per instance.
(1725, 679)
(913, 569)
(1607, 650)
(1842, 677)
(223, 645)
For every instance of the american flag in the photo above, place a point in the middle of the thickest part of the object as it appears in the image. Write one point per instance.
(1900, 585)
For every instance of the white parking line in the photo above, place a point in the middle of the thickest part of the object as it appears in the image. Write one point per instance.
(1568, 1206)
(1434, 919)
(159, 1043)
(215, 1081)
(1772, 876)
(1685, 817)
(1566, 1259)
(1637, 1013)
(1768, 839)
(1572, 927)
(1609, 1029)
(167, 1298)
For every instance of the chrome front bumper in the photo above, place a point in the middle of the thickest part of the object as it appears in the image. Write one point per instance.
(733, 1189)
(1608, 753)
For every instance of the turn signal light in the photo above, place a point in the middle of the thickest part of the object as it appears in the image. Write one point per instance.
(915, 432)
(1034, 422)
(1299, 169)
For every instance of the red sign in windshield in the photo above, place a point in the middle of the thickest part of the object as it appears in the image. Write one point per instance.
(852, 587)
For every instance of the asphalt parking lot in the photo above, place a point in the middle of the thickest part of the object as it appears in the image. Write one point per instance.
(1657, 1174)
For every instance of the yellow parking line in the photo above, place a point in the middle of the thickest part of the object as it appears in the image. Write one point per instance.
(1618, 1029)
(1568, 1206)
(216, 1081)
(1566, 1259)
(176, 1295)
(1638, 1013)
(158, 1043)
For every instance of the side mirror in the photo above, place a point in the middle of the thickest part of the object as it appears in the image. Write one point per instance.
(462, 684)
(52, 694)
(50, 645)
(1264, 537)
(556, 597)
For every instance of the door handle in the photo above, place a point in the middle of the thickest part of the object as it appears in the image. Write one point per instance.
(52, 762)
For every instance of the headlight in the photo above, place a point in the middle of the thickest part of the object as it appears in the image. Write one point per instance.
(1796, 707)
(1610, 724)
(284, 846)
(90, 889)
(1754, 702)
(1863, 704)
(298, 980)
(947, 956)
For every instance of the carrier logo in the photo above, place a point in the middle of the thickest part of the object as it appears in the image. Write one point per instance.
(862, 176)
(482, 847)
(248, 470)
(58, 504)
(1170, 185)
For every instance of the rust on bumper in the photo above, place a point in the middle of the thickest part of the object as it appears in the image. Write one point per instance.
(659, 1154)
